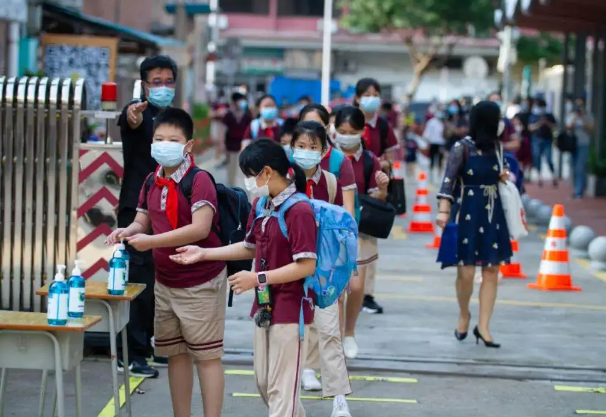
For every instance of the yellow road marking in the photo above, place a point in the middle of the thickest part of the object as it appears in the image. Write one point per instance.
(585, 263)
(308, 397)
(391, 379)
(594, 412)
(597, 390)
(542, 236)
(504, 302)
(108, 411)
(532, 227)
(398, 233)
(397, 278)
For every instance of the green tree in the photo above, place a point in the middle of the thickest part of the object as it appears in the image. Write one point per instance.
(428, 28)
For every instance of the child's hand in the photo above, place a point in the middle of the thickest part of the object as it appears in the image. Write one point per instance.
(243, 281)
(141, 242)
(189, 255)
(382, 179)
(115, 237)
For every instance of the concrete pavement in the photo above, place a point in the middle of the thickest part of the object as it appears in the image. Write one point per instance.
(545, 337)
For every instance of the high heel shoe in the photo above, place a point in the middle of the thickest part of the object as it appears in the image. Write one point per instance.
(459, 335)
(488, 344)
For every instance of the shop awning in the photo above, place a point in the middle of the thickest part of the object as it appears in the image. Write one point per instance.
(105, 27)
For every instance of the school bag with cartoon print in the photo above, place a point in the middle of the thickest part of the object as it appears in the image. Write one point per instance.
(255, 127)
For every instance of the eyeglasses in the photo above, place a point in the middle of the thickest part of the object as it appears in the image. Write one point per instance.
(159, 83)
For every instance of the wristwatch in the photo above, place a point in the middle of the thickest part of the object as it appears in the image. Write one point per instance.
(261, 280)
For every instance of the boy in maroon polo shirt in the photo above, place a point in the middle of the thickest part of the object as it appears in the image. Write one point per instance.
(236, 121)
(190, 299)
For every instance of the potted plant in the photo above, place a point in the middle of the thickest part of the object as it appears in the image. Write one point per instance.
(597, 167)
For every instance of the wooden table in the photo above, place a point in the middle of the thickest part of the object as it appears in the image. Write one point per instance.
(27, 341)
(115, 310)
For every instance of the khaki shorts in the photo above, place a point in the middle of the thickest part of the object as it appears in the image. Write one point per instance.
(191, 320)
(368, 250)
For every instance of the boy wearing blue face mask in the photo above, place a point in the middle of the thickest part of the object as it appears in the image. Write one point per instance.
(158, 76)
(179, 203)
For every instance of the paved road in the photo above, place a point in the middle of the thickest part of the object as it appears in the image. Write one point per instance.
(545, 337)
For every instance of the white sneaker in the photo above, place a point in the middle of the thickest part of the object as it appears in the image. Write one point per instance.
(350, 347)
(309, 382)
(340, 407)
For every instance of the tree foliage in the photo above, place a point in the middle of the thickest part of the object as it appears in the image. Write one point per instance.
(531, 49)
(439, 21)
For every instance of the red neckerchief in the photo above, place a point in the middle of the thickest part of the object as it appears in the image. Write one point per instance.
(310, 183)
(351, 157)
(172, 199)
(366, 135)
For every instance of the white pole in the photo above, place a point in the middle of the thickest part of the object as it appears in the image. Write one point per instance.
(213, 21)
(326, 52)
(13, 49)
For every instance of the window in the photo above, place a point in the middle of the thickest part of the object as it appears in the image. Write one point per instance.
(308, 8)
(244, 6)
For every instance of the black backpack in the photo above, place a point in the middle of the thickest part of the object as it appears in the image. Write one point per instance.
(233, 209)
(384, 132)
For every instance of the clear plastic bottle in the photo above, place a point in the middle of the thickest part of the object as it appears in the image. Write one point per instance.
(126, 256)
(76, 285)
(117, 274)
(58, 295)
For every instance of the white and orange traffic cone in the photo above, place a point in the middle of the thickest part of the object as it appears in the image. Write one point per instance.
(437, 239)
(513, 269)
(554, 271)
(421, 221)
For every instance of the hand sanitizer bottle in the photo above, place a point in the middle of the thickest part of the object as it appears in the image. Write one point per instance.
(76, 284)
(126, 256)
(117, 274)
(58, 294)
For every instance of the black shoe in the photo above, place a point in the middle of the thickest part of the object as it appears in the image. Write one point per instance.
(461, 336)
(139, 369)
(371, 306)
(488, 344)
(161, 361)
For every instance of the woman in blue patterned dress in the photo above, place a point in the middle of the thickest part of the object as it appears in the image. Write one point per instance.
(471, 179)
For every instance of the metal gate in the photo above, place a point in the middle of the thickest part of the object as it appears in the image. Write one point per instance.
(40, 128)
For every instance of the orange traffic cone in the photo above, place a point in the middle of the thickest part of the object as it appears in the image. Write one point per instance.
(437, 239)
(421, 221)
(514, 269)
(554, 271)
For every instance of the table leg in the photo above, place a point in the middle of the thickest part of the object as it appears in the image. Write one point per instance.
(126, 362)
(3, 383)
(114, 358)
(78, 383)
(59, 380)
(42, 393)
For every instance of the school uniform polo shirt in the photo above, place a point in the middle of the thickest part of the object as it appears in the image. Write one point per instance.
(203, 193)
(357, 162)
(273, 251)
(317, 188)
(265, 131)
(372, 134)
(346, 173)
(236, 124)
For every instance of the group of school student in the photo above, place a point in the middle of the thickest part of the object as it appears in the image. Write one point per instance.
(190, 260)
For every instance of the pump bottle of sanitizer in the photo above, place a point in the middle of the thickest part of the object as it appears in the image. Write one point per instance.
(76, 285)
(58, 294)
(117, 274)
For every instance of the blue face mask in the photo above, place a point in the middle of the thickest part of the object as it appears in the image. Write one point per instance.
(161, 96)
(242, 104)
(453, 110)
(288, 150)
(168, 154)
(306, 159)
(269, 113)
(370, 104)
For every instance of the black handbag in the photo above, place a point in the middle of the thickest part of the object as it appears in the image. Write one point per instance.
(396, 195)
(376, 217)
(566, 142)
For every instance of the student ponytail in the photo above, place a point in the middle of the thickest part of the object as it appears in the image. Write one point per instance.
(265, 152)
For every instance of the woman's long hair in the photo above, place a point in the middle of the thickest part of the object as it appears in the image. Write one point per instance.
(484, 125)
(265, 152)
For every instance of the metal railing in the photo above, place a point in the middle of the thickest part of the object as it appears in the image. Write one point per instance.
(40, 131)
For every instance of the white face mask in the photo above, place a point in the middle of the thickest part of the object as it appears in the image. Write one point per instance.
(348, 141)
(332, 131)
(250, 183)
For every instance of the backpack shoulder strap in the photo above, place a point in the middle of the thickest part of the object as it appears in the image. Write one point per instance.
(331, 182)
(149, 181)
(369, 163)
(384, 131)
(291, 201)
(187, 182)
(335, 161)
(255, 125)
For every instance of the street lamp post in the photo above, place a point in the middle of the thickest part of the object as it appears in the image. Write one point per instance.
(326, 52)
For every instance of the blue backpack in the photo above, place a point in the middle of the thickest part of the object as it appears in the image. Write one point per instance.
(337, 248)
(255, 126)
